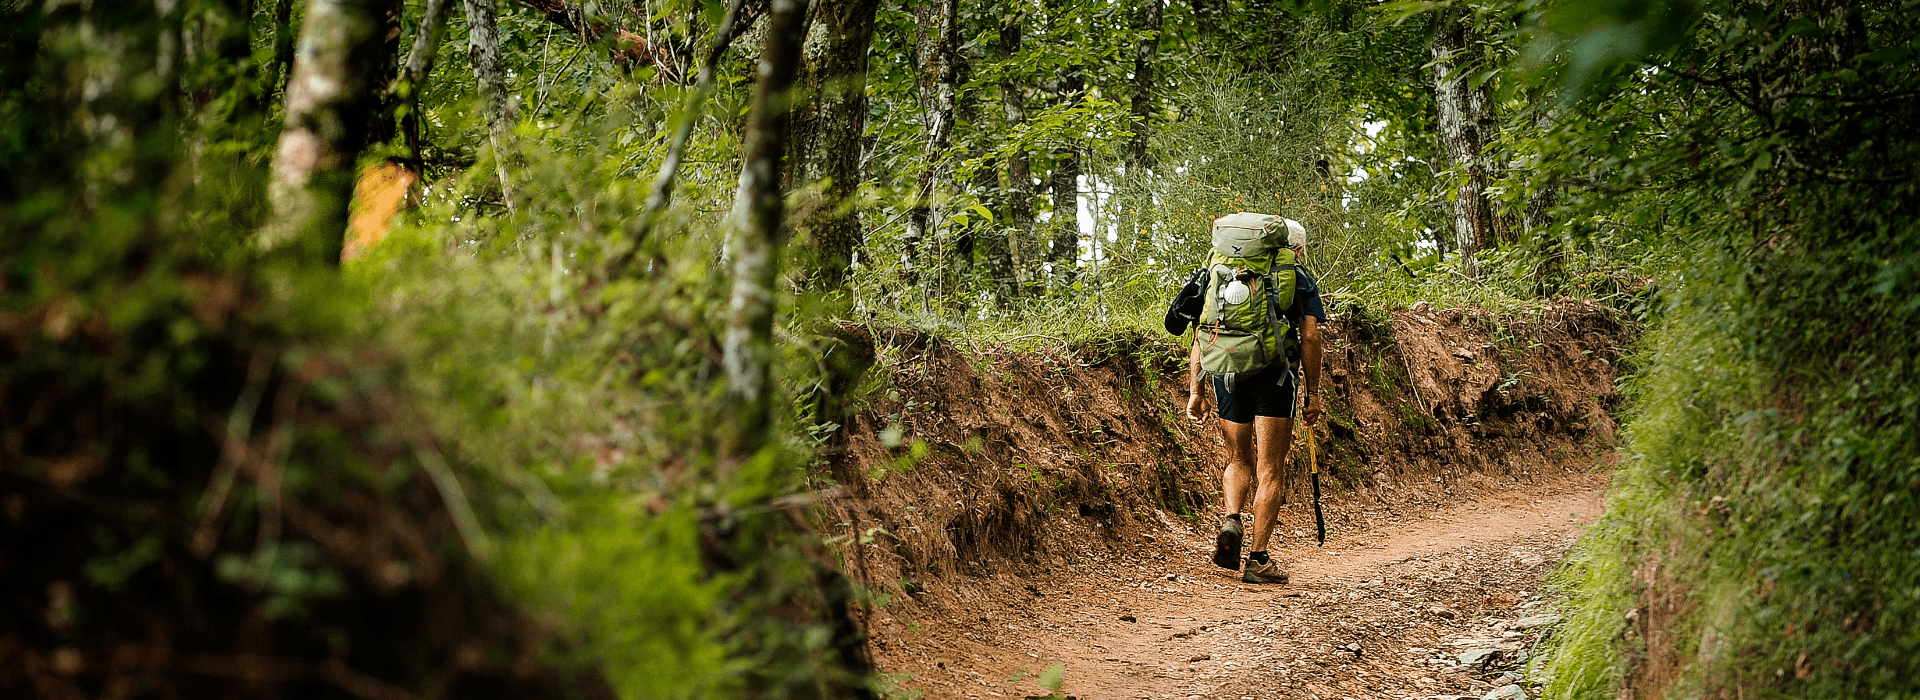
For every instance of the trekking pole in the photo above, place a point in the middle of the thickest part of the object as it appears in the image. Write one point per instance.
(1313, 468)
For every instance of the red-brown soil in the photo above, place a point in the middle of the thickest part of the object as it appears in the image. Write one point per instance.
(1404, 592)
(1057, 490)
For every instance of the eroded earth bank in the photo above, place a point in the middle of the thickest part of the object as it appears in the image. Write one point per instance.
(1040, 519)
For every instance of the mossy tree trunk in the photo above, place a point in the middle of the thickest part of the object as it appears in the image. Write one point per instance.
(483, 51)
(826, 143)
(1463, 114)
(282, 44)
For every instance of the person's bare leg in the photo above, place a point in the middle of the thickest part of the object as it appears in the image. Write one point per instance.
(1275, 436)
(1238, 481)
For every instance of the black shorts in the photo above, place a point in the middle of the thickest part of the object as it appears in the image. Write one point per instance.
(1269, 392)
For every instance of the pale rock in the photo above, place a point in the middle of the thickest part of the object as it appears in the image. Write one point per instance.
(1475, 657)
(1527, 623)
(1506, 692)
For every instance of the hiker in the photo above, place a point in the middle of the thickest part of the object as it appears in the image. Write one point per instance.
(1256, 395)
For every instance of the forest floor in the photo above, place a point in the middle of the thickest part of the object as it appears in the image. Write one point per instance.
(1382, 611)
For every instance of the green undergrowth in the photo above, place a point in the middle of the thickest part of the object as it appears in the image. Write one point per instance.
(1764, 521)
(1120, 311)
(583, 407)
(1762, 538)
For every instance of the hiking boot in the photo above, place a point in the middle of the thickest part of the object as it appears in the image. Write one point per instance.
(1226, 547)
(1269, 571)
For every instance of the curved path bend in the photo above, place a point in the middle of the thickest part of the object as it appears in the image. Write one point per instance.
(1380, 613)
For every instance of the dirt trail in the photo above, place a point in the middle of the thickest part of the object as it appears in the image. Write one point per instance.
(1371, 615)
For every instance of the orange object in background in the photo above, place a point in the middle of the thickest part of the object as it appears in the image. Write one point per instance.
(380, 193)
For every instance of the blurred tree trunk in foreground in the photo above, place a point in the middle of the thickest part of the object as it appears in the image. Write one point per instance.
(330, 101)
(758, 208)
(208, 494)
(749, 358)
(381, 127)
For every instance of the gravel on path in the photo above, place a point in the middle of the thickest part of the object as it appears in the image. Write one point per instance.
(1445, 606)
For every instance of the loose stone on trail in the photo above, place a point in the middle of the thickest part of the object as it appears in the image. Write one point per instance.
(1476, 657)
(1527, 623)
(1506, 692)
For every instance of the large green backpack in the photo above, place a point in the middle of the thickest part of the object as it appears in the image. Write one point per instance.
(1250, 287)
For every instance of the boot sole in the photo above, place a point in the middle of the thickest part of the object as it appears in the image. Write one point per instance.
(1226, 550)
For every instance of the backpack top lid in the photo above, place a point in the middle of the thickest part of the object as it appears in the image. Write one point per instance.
(1249, 235)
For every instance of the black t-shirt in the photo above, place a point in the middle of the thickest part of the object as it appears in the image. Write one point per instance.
(1306, 298)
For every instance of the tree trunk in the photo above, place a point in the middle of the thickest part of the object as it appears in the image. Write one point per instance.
(483, 49)
(234, 48)
(756, 219)
(1132, 210)
(381, 127)
(1206, 16)
(1007, 250)
(1066, 200)
(981, 232)
(984, 187)
(939, 73)
(404, 96)
(1492, 169)
(827, 130)
(1144, 57)
(1064, 226)
(1019, 228)
(1454, 49)
(999, 237)
(1538, 219)
(1545, 195)
(330, 99)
